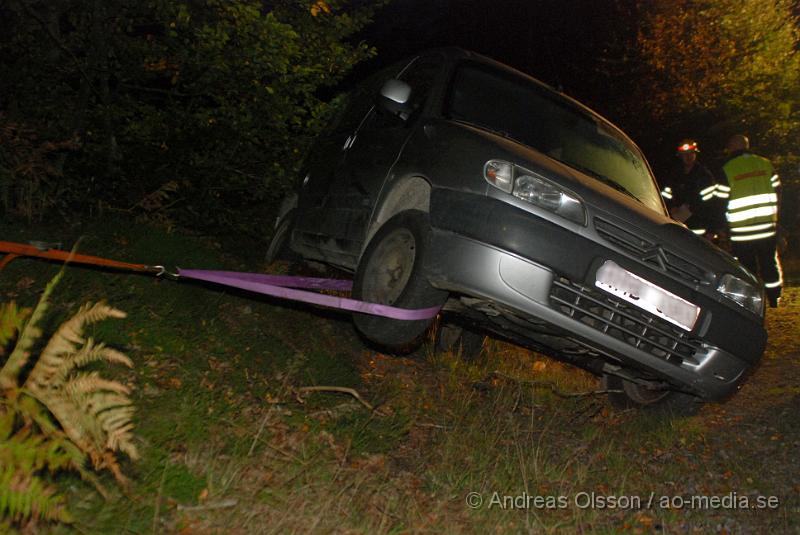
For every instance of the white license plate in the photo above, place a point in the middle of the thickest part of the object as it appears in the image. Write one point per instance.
(646, 295)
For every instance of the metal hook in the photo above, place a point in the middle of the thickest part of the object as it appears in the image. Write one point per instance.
(161, 271)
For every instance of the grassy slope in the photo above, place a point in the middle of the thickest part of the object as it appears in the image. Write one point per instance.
(228, 446)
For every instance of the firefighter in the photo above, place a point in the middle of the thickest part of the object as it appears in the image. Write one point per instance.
(692, 195)
(752, 213)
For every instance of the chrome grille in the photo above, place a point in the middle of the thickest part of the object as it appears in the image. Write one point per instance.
(650, 252)
(637, 328)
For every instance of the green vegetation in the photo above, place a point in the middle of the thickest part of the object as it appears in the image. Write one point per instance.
(196, 112)
(53, 416)
(722, 67)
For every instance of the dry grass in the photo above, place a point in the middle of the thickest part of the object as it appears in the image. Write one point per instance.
(228, 448)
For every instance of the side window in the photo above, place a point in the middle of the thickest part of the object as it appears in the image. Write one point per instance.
(358, 102)
(421, 76)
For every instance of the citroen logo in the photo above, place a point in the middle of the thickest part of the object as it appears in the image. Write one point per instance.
(656, 255)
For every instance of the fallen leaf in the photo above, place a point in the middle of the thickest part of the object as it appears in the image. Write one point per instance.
(644, 519)
(24, 283)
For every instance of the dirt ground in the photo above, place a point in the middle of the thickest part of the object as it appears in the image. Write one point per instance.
(759, 427)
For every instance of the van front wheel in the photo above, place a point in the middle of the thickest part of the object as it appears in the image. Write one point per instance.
(391, 272)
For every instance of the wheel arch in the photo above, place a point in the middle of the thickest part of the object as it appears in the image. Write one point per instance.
(411, 193)
(288, 204)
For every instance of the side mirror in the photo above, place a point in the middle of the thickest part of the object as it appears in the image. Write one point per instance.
(395, 98)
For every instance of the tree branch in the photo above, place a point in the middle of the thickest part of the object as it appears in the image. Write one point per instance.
(341, 389)
(550, 385)
(43, 23)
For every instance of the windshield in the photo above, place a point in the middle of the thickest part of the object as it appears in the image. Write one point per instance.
(531, 114)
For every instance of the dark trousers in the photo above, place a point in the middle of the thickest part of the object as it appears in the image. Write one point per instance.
(761, 257)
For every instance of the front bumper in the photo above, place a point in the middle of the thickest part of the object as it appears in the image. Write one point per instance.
(539, 272)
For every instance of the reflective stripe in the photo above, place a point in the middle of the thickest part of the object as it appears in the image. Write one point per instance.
(666, 194)
(708, 196)
(751, 237)
(709, 189)
(752, 200)
(744, 215)
(779, 266)
(775, 180)
(699, 231)
(750, 174)
(772, 284)
(753, 228)
(726, 189)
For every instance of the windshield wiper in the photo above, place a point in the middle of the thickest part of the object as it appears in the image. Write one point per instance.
(605, 180)
(501, 133)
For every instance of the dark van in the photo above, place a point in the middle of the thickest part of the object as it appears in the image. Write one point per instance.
(455, 180)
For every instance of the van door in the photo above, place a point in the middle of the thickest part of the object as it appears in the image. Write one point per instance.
(323, 168)
(372, 151)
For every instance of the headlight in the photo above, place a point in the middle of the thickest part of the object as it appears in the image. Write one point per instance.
(534, 189)
(742, 293)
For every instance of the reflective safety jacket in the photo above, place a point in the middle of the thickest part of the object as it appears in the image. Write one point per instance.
(698, 191)
(752, 200)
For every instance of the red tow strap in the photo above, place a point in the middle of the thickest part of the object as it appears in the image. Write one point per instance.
(14, 250)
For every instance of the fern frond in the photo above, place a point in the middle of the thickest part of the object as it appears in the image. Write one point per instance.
(90, 352)
(86, 383)
(12, 318)
(101, 401)
(34, 412)
(60, 355)
(59, 417)
(34, 453)
(24, 497)
(9, 373)
(80, 427)
(122, 439)
(23, 451)
(93, 413)
(95, 421)
(73, 457)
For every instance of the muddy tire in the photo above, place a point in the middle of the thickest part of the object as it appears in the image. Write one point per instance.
(391, 272)
(635, 396)
(278, 248)
(453, 337)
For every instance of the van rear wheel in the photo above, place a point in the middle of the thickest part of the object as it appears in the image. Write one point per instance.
(391, 272)
(624, 395)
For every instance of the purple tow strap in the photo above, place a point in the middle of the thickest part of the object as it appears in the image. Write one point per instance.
(283, 286)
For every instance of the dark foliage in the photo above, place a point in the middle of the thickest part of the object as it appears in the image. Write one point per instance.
(194, 112)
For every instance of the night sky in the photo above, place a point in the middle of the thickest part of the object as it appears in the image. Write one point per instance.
(565, 43)
(573, 45)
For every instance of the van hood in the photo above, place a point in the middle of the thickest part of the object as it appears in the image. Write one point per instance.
(612, 213)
